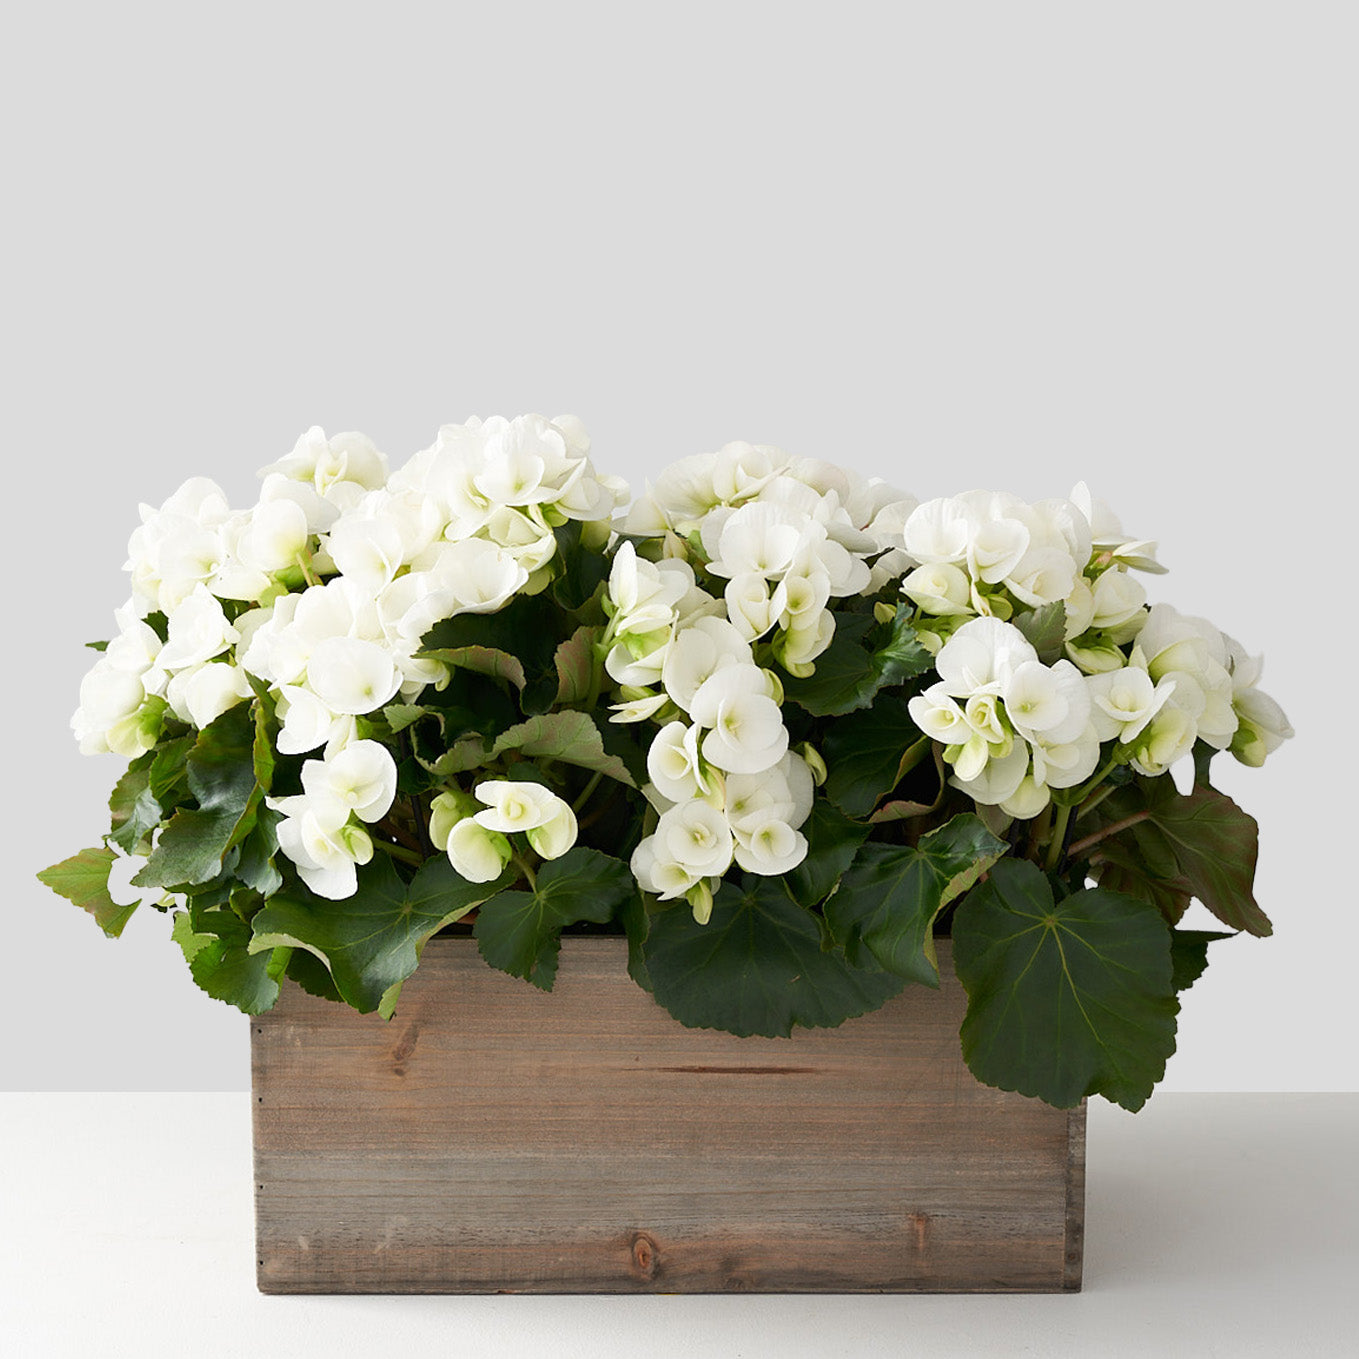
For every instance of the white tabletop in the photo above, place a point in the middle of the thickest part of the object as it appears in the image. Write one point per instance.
(1215, 1225)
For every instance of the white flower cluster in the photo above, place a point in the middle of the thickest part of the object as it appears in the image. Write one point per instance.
(722, 777)
(462, 528)
(474, 830)
(786, 534)
(1014, 728)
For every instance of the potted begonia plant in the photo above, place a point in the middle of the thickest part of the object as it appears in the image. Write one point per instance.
(772, 725)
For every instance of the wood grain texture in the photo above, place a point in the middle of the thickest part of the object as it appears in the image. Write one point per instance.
(492, 1138)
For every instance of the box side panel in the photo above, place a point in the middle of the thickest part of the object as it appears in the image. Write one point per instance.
(492, 1138)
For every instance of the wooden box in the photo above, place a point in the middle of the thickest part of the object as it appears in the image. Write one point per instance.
(493, 1138)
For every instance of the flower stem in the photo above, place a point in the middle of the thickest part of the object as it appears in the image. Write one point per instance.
(585, 793)
(407, 856)
(1057, 843)
(523, 865)
(1112, 828)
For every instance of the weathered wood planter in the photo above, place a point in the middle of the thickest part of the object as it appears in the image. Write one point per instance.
(496, 1139)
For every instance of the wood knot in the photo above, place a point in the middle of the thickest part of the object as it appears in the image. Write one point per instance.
(645, 1255)
(405, 1045)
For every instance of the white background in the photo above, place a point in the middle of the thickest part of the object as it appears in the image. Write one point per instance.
(999, 245)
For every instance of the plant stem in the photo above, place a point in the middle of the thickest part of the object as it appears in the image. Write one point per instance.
(304, 561)
(1057, 843)
(407, 856)
(1112, 828)
(526, 869)
(585, 793)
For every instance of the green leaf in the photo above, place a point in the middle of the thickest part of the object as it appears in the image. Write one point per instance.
(519, 932)
(370, 941)
(582, 569)
(849, 674)
(1045, 628)
(1065, 999)
(1201, 844)
(402, 715)
(516, 644)
(569, 736)
(832, 841)
(255, 868)
(169, 782)
(885, 909)
(757, 966)
(134, 810)
(867, 753)
(1189, 955)
(901, 656)
(575, 662)
(221, 771)
(84, 879)
(221, 963)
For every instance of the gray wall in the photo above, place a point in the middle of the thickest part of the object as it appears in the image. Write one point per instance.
(970, 245)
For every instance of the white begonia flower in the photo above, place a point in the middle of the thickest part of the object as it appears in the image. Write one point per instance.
(1066, 764)
(939, 588)
(798, 648)
(482, 576)
(638, 662)
(741, 471)
(201, 694)
(318, 512)
(770, 849)
(757, 539)
(198, 631)
(1262, 727)
(801, 595)
(1124, 701)
(1118, 597)
(938, 531)
(1044, 575)
(1045, 703)
(328, 463)
(325, 851)
(1168, 737)
(352, 676)
(638, 709)
(531, 543)
(1108, 536)
(746, 732)
(981, 656)
(663, 877)
(477, 854)
(1027, 801)
(304, 721)
(998, 780)
(749, 605)
(512, 805)
(939, 716)
(136, 651)
(108, 716)
(368, 550)
(985, 718)
(696, 836)
(556, 835)
(995, 548)
(445, 811)
(275, 537)
(525, 463)
(361, 778)
(674, 765)
(1169, 640)
(1079, 609)
(697, 653)
(787, 790)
